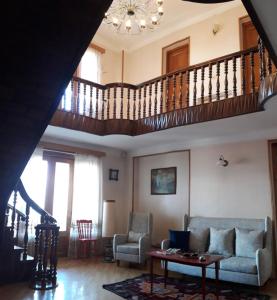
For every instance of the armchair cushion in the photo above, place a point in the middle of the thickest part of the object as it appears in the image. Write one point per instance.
(133, 237)
(128, 248)
(179, 239)
(248, 242)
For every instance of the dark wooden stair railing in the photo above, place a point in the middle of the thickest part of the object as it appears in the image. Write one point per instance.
(231, 77)
(42, 268)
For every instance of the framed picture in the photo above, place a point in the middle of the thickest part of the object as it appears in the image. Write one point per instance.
(163, 181)
(113, 174)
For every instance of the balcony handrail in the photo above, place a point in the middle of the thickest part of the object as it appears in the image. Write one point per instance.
(169, 75)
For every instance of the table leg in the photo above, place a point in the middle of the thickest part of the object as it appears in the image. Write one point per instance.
(151, 274)
(203, 282)
(216, 279)
(165, 273)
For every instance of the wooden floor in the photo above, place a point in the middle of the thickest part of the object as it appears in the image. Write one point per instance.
(83, 280)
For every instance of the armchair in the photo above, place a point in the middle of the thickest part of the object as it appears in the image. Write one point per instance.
(132, 247)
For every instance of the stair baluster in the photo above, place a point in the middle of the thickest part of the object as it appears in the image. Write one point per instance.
(226, 78)
(210, 82)
(134, 104)
(26, 236)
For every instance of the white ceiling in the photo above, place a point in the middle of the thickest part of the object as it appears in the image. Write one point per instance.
(261, 125)
(177, 14)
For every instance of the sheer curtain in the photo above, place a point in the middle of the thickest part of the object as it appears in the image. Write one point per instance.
(86, 197)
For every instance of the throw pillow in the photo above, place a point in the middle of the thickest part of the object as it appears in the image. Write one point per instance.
(179, 239)
(198, 239)
(133, 237)
(221, 241)
(248, 242)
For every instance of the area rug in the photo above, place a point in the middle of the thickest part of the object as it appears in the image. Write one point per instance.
(138, 288)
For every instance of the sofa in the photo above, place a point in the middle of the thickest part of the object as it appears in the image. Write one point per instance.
(243, 263)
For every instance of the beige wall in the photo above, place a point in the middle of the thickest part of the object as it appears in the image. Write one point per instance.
(168, 210)
(240, 190)
(145, 63)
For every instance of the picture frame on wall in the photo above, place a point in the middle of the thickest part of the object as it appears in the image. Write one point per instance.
(113, 174)
(164, 181)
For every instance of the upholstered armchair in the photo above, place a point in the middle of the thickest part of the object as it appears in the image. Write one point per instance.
(133, 246)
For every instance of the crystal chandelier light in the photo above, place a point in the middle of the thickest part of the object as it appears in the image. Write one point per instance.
(134, 16)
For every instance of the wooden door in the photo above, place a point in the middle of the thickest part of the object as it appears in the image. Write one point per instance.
(274, 199)
(250, 39)
(177, 59)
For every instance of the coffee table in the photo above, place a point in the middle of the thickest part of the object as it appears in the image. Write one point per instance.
(177, 258)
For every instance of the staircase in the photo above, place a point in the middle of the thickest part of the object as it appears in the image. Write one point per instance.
(30, 249)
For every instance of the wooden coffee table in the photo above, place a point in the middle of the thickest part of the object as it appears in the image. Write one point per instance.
(177, 258)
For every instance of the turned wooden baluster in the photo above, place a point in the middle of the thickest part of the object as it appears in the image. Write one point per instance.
(210, 82)
(243, 70)
(156, 98)
(108, 104)
(134, 104)
(262, 59)
(226, 78)
(103, 105)
(139, 108)
(235, 76)
(202, 84)
(181, 90)
(26, 237)
(144, 100)
(54, 259)
(72, 97)
(188, 88)
(121, 101)
(97, 103)
(114, 102)
(269, 65)
(90, 101)
(252, 72)
(218, 81)
(162, 95)
(36, 255)
(14, 211)
(85, 98)
(18, 219)
(195, 87)
(167, 94)
(174, 93)
(128, 103)
(78, 98)
(150, 100)
(45, 257)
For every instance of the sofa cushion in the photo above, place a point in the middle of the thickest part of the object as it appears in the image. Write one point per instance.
(179, 239)
(129, 248)
(198, 239)
(221, 241)
(248, 241)
(239, 264)
(133, 237)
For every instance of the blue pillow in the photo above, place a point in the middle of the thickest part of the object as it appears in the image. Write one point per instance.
(179, 239)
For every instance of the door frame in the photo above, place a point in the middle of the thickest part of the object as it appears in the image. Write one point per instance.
(273, 203)
(170, 47)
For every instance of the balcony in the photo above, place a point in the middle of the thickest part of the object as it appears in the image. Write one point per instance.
(220, 88)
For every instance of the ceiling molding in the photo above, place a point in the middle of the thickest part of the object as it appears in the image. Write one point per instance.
(171, 27)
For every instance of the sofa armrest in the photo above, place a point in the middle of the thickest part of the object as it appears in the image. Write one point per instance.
(165, 244)
(144, 247)
(264, 265)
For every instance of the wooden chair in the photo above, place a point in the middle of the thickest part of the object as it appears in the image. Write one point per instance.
(85, 237)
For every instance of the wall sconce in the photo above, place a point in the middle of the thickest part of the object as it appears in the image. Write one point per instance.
(216, 28)
(222, 162)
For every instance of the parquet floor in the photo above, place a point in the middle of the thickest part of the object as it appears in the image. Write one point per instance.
(83, 280)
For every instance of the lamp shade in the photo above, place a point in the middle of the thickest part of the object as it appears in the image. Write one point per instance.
(108, 228)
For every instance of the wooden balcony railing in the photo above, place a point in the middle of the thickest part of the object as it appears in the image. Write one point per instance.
(234, 76)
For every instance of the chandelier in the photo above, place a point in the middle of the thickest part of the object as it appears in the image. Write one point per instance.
(134, 16)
